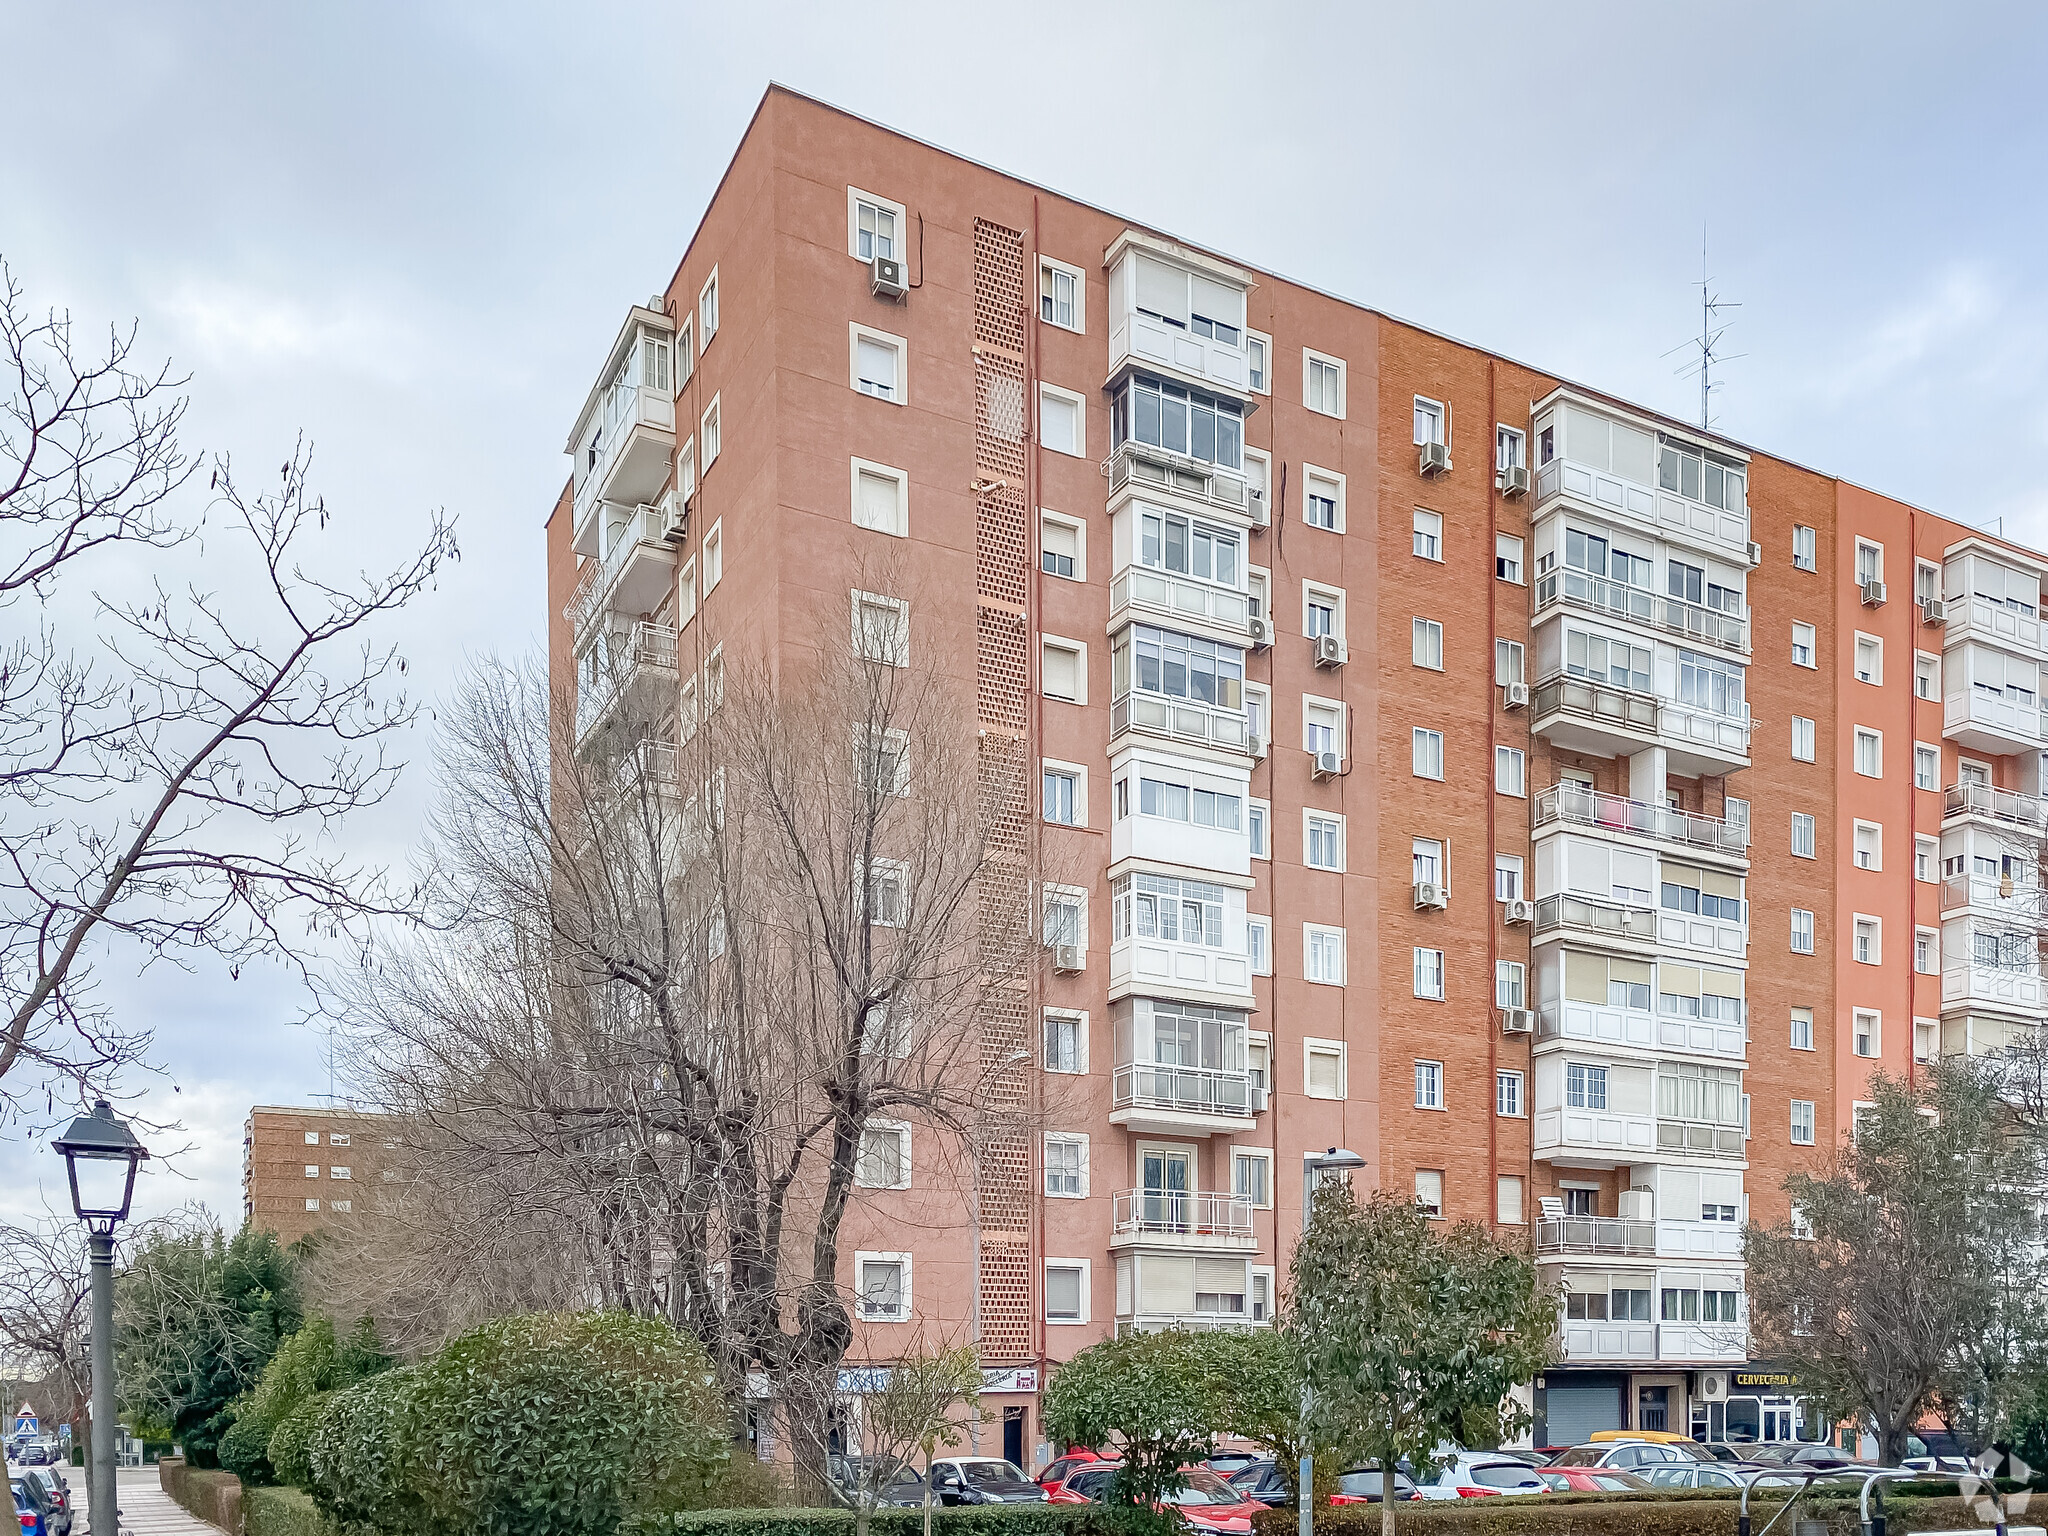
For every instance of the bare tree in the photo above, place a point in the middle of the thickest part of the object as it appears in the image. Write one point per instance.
(44, 1308)
(173, 761)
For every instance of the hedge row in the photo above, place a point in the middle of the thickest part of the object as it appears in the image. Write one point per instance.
(283, 1512)
(215, 1497)
(1674, 1512)
(1012, 1520)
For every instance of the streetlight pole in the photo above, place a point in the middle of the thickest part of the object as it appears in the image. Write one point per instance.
(100, 1158)
(1313, 1164)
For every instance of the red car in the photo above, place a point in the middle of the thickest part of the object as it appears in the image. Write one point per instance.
(1206, 1501)
(1591, 1480)
(1064, 1466)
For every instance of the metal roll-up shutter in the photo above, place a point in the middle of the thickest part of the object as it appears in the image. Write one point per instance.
(1575, 1412)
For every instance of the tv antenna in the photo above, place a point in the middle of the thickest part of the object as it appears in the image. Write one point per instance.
(1705, 349)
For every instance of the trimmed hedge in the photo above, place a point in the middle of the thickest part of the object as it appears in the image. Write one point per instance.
(1671, 1512)
(1010, 1520)
(283, 1512)
(215, 1497)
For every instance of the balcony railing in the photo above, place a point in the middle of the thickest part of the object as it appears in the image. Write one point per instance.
(1592, 808)
(2003, 895)
(1701, 1138)
(1597, 1234)
(1641, 715)
(1604, 918)
(1999, 804)
(1143, 465)
(1592, 1341)
(1653, 507)
(1183, 719)
(648, 654)
(1614, 599)
(627, 408)
(1978, 618)
(1181, 597)
(638, 548)
(651, 762)
(1602, 1024)
(1976, 708)
(1201, 1220)
(1187, 1090)
(1191, 1322)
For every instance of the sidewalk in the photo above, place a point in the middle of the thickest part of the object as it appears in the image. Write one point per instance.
(146, 1510)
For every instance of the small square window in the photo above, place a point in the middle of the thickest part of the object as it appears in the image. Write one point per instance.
(879, 364)
(1802, 739)
(1867, 1032)
(312, 1138)
(1429, 535)
(1426, 643)
(1323, 1068)
(1323, 500)
(883, 1284)
(883, 1159)
(1062, 291)
(1429, 1190)
(1926, 677)
(880, 498)
(1429, 1085)
(1063, 671)
(1507, 1095)
(1507, 558)
(1429, 974)
(1066, 1041)
(1062, 802)
(1802, 1029)
(1066, 1166)
(1322, 383)
(1324, 955)
(337, 1138)
(312, 1170)
(1062, 548)
(1427, 753)
(312, 1205)
(1066, 1290)
(338, 1173)
(1323, 837)
(873, 225)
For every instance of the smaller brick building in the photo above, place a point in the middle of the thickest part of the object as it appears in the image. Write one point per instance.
(304, 1166)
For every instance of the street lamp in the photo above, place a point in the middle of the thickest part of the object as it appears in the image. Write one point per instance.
(100, 1157)
(1336, 1160)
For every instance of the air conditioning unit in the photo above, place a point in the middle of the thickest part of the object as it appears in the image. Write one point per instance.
(1514, 695)
(1329, 651)
(1258, 1100)
(1635, 1205)
(1933, 611)
(1714, 1385)
(1517, 1021)
(675, 526)
(1756, 554)
(1328, 765)
(1256, 745)
(1255, 502)
(1517, 910)
(1262, 632)
(885, 279)
(1430, 897)
(1436, 458)
(1514, 481)
(1873, 594)
(1067, 959)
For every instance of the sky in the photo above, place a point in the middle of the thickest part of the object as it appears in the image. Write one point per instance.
(411, 230)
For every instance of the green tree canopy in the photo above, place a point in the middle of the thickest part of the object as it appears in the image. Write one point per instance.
(1162, 1397)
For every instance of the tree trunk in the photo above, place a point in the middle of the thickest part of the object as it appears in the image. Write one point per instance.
(1387, 1497)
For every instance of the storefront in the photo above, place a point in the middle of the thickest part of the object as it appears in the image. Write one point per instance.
(1752, 1402)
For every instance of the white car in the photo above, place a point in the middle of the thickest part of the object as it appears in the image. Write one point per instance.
(1478, 1474)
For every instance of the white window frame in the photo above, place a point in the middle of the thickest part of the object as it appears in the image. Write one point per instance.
(711, 433)
(707, 321)
(1521, 1081)
(1501, 432)
(1309, 815)
(1079, 650)
(1262, 341)
(1876, 564)
(1419, 737)
(685, 352)
(1309, 359)
(859, 467)
(1311, 701)
(1086, 1269)
(1504, 652)
(1857, 828)
(1875, 643)
(686, 594)
(1519, 559)
(1510, 771)
(1309, 933)
(1812, 643)
(1429, 1075)
(1079, 1018)
(1069, 1138)
(1076, 896)
(1328, 597)
(1809, 561)
(1856, 922)
(1253, 1155)
(1792, 1032)
(1311, 472)
(1078, 528)
(1792, 1123)
(854, 198)
(1434, 1212)
(1811, 937)
(1422, 633)
(897, 871)
(1927, 859)
(1501, 1181)
(1921, 751)
(1051, 264)
(1441, 410)
(856, 333)
(884, 1126)
(1262, 842)
(900, 652)
(1924, 1025)
(1312, 1047)
(1078, 772)
(313, 1204)
(1875, 1019)
(1080, 405)
(864, 1257)
(1415, 974)
(1506, 863)
(1931, 938)
(1927, 668)
(1803, 731)
(1261, 953)
(1510, 983)
(1436, 538)
(1855, 755)
(714, 556)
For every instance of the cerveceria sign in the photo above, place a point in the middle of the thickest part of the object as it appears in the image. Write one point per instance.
(1762, 1377)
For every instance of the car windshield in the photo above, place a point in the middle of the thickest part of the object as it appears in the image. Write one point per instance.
(1092, 1484)
(1613, 1482)
(1692, 1450)
(1199, 1486)
(986, 1473)
(1581, 1456)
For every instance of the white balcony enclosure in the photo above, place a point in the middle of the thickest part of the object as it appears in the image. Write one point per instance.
(1574, 805)
(1193, 1291)
(628, 676)
(1180, 570)
(2011, 811)
(1605, 1129)
(1569, 587)
(1167, 682)
(1181, 1068)
(1988, 1034)
(1181, 1219)
(1992, 699)
(625, 436)
(636, 571)
(1591, 883)
(1180, 810)
(1201, 485)
(1992, 598)
(1177, 311)
(1990, 965)
(1615, 464)
(1181, 935)
(1645, 1005)
(1628, 1313)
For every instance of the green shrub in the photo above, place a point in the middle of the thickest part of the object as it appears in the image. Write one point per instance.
(356, 1455)
(1013, 1520)
(746, 1483)
(1671, 1512)
(244, 1449)
(291, 1440)
(283, 1512)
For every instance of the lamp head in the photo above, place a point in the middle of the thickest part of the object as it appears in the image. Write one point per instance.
(100, 1156)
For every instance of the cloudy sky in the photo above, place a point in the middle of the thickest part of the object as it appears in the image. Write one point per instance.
(410, 229)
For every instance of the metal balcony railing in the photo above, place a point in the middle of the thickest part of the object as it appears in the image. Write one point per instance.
(1614, 599)
(1593, 808)
(642, 531)
(647, 652)
(1701, 1138)
(1191, 1322)
(1181, 1213)
(1999, 804)
(1596, 1234)
(1143, 464)
(1606, 918)
(1959, 891)
(1171, 594)
(1195, 1090)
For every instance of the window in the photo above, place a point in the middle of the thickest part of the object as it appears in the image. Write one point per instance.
(1926, 766)
(882, 1282)
(1258, 932)
(1061, 292)
(1322, 612)
(1324, 954)
(1802, 1029)
(1258, 352)
(1603, 660)
(1063, 670)
(707, 327)
(337, 1138)
(881, 629)
(1926, 676)
(341, 1207)
(312, 1138)
(1426, 643)
(1066, 1166)
(1066, 915)
(1066, 1041)
(1802, 931)
(1926, 1039)
(1869, 562)
(1802, 645)
(881, 498)
(714, 556)
(1869, 753)
(1585, 1087)
(1507, 1200)
(1322, 383)
(337, 1173)
(1323, 837)
(1429, 1085)
(1181, 420)
(1580, 1200)
(1429, 535)
(1429, 421)
(685, 475)
(1322, 500)
(1926, 951)
(1429, 1190)
(1066, 1290)
(1926, 858)
(708, 434)
(1507, 877)
(1802, 1122)
(1170, 542)
(884, 1158)
(888, 893)
(313, 1169)
(1508, 771)
(1866, 1031)
(1062, 421)
(1869, 845)
(1251, 1178)
(1509, 661)
(1802, 739)
(1507, 558)
(1426, 752)
(1429, 974)
(1062, 796)
(1322, 727)
(1869, 659)
(1062, 547)
(1510, 451)
(1507, 1095)
(1867, 945)
(1802, 835)
(878, 364)
(312, 1205)
(1428, 867)
(1323, 1066)
(1510, 984)
(686, 593)
(1926, 581)
(1258, 711)
(686, 354)
(1802, 547)
(1257, 815)
(871, 224)
(714, 680)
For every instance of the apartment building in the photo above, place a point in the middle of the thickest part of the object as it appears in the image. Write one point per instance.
(1565, 808)
(303, 1166)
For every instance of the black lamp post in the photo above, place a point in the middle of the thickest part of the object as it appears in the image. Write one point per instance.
(1313, 1166)
(100, 1157)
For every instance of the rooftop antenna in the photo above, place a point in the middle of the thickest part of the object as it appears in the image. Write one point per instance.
(1706, 347)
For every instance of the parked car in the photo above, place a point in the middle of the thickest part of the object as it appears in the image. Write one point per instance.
(1366, 1485)
(1634, 1455)
(901, 1487)
(1728, 1450)
(1064, 1466)
(1262, 1481)
(1701, 1474)
(1203, 1499)
(1227, 1464)
(59, 1493)
(983, 1480)
(1937, 1450)
(1805, 1456)
(1477, 1474)
(33, 1453)
(1592, 1480)
(28, 1509)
